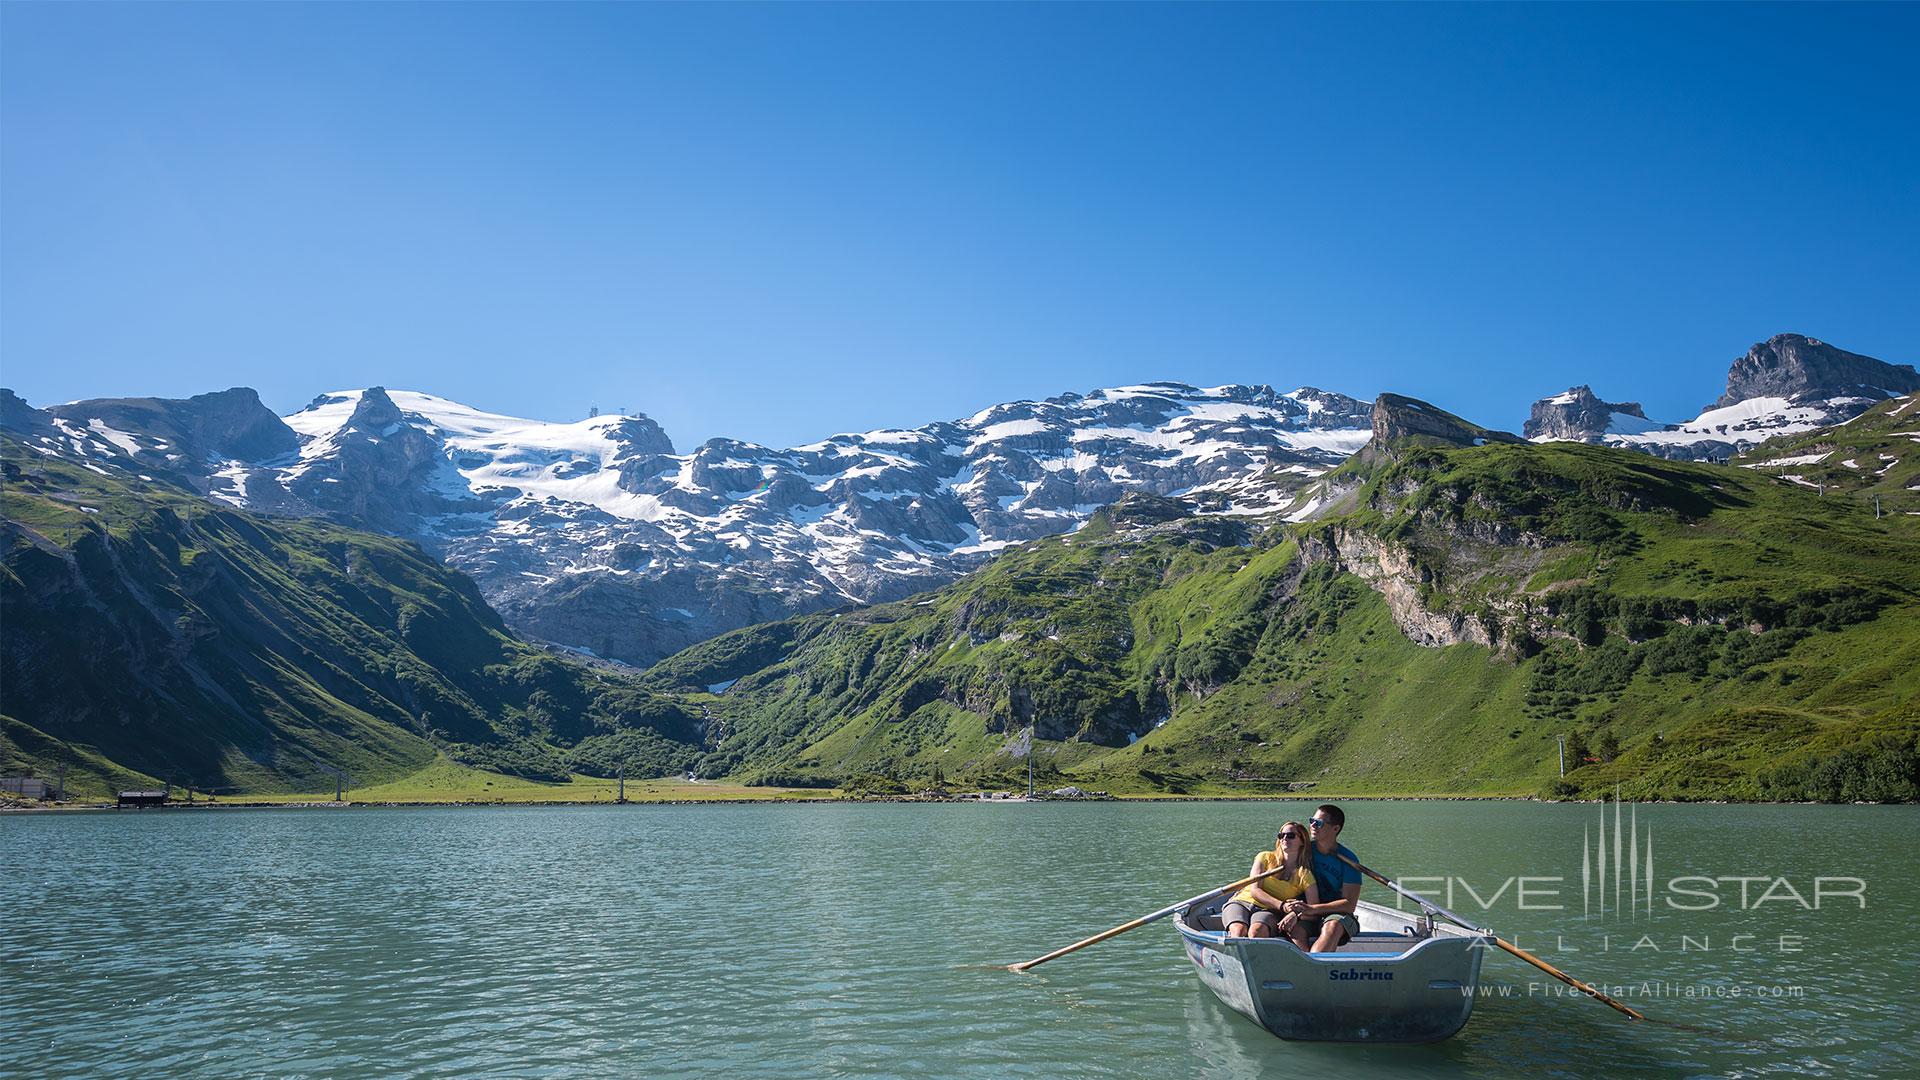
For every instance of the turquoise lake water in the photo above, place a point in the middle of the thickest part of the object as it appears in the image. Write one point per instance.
(856, 940)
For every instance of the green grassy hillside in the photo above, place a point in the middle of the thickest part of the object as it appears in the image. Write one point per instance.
(151, 634)
(1695, 630)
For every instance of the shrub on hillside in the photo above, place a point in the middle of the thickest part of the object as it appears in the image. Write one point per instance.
(640, 752)
(865, 784)
(784, 778)
(1218, 655)
(524, 758)
(1741, 651)
(1688, 650)
(1886, 769)
(1564, 673)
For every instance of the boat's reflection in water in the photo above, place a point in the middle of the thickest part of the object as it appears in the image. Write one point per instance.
(1513, 1036)
(1227, 1046)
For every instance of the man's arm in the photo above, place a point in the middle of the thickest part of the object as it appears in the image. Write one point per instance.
(1347, 903)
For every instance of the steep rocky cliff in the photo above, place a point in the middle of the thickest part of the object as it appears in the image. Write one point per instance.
(1800, 368)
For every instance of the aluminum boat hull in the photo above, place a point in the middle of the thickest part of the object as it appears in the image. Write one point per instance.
(1403, 980)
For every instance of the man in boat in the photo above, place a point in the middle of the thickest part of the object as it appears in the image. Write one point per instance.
(1332, 922)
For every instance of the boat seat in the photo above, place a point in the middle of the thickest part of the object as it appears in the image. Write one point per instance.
(1386, 944)
(1368, 941)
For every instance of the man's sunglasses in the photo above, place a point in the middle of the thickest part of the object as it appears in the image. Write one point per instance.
(1315, 823)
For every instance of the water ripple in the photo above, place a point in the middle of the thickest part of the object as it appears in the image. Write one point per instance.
(853, 941)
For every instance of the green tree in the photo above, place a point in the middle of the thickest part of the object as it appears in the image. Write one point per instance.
(1576, 750)
(1607, 747)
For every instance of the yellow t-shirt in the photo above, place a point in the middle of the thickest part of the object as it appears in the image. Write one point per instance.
(1276, 886)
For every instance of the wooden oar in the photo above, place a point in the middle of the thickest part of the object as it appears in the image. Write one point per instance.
(1508, 946)
(1141, 921)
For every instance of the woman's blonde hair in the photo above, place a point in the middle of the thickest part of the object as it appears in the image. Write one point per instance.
(1306, 856)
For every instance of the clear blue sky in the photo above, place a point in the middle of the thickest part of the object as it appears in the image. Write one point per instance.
(774, 223)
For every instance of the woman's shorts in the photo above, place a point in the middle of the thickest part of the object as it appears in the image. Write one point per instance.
(1235, 911)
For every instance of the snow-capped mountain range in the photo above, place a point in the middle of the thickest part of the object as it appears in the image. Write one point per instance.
(596, 534)
(1785, 385)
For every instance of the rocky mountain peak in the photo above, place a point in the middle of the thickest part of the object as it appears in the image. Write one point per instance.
(17, 415)
(1330, 409)
(1402, 421)
(382, 466)
(1578, 415)
(1797, 367)
(638, 436)
(374, 412)
(184, 438)
(228, 424)
(234, 423)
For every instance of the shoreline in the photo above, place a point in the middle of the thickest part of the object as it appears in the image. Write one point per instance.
(83, 808)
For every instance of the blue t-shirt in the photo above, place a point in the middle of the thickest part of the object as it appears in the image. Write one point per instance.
(1332, 875)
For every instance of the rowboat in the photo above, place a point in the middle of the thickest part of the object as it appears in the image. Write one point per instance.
(1405, 978)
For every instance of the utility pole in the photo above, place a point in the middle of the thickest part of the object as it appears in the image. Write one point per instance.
(1876, 508)
(622, 797)
(60, 784)
(1562, 740)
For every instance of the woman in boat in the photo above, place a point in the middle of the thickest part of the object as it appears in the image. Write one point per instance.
(1255, 911)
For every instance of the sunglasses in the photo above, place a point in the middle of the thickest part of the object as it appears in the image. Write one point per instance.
(1289, 836)
(1315, 823)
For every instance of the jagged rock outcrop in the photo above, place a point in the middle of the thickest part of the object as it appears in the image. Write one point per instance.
(1797, 367)
(1396, 419)
(1578, 416)
(1394, 574)
(1399, 422)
